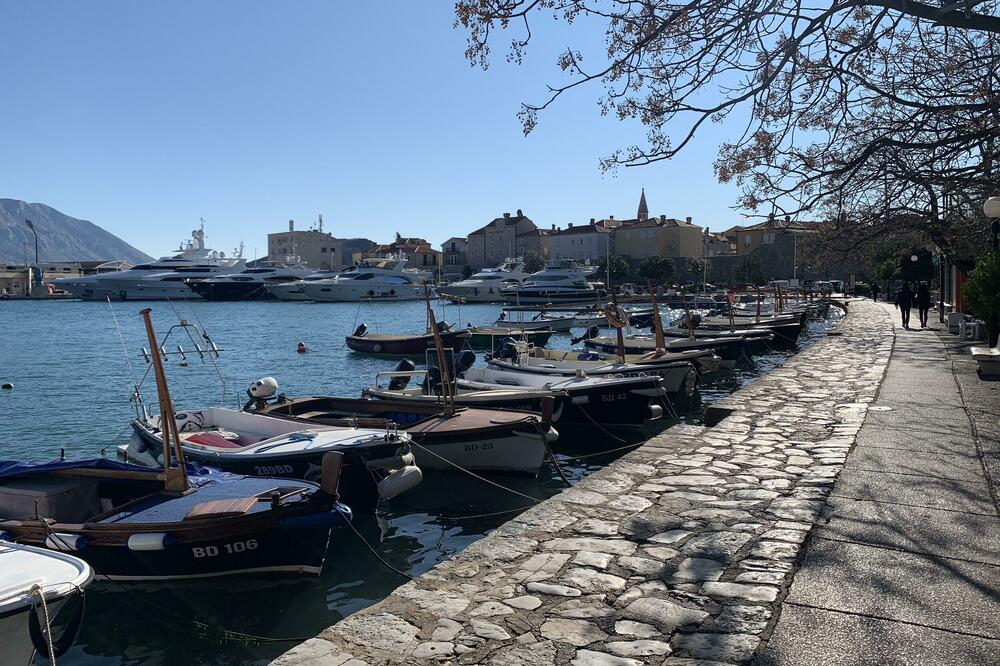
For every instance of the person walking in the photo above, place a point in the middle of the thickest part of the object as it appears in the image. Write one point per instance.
(923, 299)
(904, 301)
(875, 291)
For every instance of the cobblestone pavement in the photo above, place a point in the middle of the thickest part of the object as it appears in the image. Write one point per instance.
(678, 554)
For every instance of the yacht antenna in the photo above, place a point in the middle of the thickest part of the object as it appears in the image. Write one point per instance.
(175, 479)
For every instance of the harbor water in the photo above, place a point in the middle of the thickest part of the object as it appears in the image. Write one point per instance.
(74, 367)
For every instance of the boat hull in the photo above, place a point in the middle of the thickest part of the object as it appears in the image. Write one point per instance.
(490, 339)
(336, 293)
(729, 350)
(358, 485)
(677, 377)
(14, 636)
(529, 297)
(174, 291)
(416, 345)
(232, 291)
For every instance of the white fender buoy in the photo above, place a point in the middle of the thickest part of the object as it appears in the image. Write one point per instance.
(393, 462)
(400, 481)
(65, 542)
(148, 541)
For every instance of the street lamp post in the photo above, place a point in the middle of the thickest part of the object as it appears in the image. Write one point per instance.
(991, 208)
(37, 281)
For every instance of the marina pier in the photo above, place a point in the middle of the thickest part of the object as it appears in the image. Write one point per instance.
(813, 523)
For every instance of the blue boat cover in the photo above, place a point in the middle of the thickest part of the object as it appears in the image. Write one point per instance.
(197, 475)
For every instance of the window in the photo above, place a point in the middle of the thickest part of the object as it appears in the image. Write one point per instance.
(323, 250)
(747, 239)
(767, 238)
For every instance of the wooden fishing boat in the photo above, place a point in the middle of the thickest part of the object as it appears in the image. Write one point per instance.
(490, 337)
(540, 321)
(135, 523)
(401, 345)
(705, 360)
(679, 377)
(729, 348)
(489, 440)
(29, 575)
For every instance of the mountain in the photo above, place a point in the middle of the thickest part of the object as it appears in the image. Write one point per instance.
(60, 237)
(352, 245)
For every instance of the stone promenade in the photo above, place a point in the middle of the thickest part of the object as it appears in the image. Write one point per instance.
(681, 553)
(904, 567)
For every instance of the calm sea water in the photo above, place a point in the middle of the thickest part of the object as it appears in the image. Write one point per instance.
(72, 390)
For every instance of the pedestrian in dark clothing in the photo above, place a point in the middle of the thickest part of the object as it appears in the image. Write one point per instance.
(923, 303)
(904, 301)
(875, 291)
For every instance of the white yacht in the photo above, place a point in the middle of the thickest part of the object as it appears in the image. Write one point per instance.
(251, 284)
(377, 278)
(164, 279)
(485, 286)
(562, 280)
(293, 291)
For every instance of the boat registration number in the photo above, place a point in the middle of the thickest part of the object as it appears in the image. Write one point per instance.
(226, 548)
(263, 470)
(484, 446)
(614, 397)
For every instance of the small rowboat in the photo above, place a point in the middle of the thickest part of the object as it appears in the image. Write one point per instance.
(401, 345)
(490, 337)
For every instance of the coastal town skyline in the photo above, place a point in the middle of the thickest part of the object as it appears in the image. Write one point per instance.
(248, 118)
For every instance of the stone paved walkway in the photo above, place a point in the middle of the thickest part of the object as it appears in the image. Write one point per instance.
(905, 565)
(678, 554)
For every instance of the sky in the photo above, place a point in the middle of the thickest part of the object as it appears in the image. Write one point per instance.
(145, 117)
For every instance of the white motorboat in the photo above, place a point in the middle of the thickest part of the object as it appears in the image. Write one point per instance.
(486, 285)
(250, 284)
(377, 278)
(27, 575)
(562, 280)
(377, 462)
(163, 279)
(293, 291)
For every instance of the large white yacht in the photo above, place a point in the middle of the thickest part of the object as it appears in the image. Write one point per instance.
(250, 284)
(562, 280)
(166, 278)
(485, 286)
(293, 291)
(377, 278)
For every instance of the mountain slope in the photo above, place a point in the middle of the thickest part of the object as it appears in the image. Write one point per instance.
(60, 237)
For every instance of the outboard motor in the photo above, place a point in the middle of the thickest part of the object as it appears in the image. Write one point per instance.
(399, 383)
(360, 331)
(589, 334)
(508, 349)
(696, 320)
(443, 326)
(260, 392)
(464, 361)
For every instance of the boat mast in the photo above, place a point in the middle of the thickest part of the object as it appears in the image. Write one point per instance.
(175, 479)
(661, 345)
(446, 387)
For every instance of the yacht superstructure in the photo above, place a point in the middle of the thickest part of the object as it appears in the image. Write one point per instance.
(166, 278)
(485, 286)
(562, 280)
(376, 278)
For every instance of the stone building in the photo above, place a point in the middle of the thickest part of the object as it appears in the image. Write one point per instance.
(660, 236)
(417, 250)
(453, 253)
(313, 247)
(587, 242)
(507, 236)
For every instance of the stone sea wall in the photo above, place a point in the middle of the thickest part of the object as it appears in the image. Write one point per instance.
(679, 553)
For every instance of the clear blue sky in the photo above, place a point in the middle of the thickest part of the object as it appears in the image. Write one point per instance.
(143, 117)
